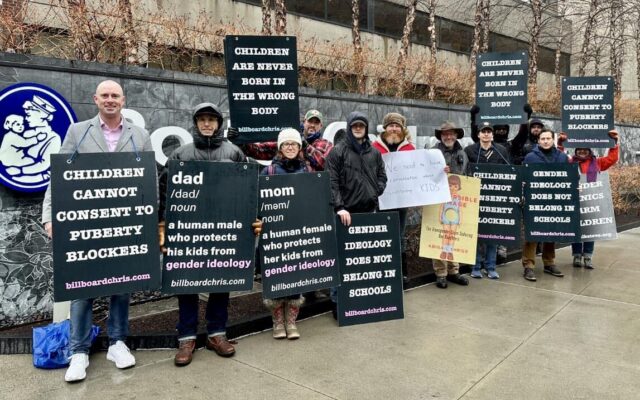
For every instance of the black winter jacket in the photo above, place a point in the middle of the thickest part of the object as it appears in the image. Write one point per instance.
(356, 171)
(496, 154)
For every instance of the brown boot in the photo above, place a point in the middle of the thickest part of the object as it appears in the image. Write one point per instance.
(277, 315)
(292, 308)
(220, 345)
(185, 352)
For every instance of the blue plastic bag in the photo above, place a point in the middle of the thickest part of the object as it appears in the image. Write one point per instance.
(51, 344)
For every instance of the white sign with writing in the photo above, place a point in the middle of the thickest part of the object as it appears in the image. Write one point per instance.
(414, 178)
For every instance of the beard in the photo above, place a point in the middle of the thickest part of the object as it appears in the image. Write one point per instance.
(393, 138)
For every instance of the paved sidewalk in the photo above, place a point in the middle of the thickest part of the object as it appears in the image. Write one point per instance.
(576, 337)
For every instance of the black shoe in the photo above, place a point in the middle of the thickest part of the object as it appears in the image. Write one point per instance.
(529, 274)
(553, 270)
(334, 310)
(441, 282)
(459, 279)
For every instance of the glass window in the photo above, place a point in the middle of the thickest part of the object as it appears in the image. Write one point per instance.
(454, 36)
(420, 34)
(313, 9)
(339, 11)
(388, 18)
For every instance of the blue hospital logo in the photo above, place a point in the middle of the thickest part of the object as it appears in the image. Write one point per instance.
(34, 120)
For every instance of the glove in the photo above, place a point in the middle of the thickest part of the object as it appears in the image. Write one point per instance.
(257, 227)
(562, 137)
(161, 231)
(232, 134)
(613, 134)
(474, 111)
(527, 108)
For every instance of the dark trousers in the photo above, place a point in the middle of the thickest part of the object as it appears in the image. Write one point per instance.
(216, 314)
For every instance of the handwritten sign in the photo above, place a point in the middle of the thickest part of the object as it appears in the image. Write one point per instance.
(414, 178)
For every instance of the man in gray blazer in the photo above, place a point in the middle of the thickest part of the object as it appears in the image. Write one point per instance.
(107, 132)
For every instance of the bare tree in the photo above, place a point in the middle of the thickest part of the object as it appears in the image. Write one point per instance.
(82, 36)
(405, 42)
(129, 33)
(617, 40)
(536, 9)
(281, 17)
(562, 10)
(486, 22)
(358, 57)
(477, 37)
(433, 40)
(266, 17)
(587, 36)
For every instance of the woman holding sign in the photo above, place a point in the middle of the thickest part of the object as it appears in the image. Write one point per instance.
(288, 160)
(589, 165)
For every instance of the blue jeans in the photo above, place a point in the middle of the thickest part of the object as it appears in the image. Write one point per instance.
(216, 315)
(489, 256)
(582, 249)
(82, 318)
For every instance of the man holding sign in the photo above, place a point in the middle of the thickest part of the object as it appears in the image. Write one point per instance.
(396, 137)
(208, 144)
(109, 131)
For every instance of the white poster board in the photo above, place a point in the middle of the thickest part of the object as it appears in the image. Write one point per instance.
(414, 178)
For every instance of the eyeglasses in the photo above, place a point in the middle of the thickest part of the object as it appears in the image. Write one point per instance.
(290, 144)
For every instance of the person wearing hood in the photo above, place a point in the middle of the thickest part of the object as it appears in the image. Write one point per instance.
(500, 132)
(289, 160)
(456, 163)
(544, 153)
(208, 144)
(315, 148)
(527, 137)
(486, 152)
(396, 137)
(357, 174)
(591, 166)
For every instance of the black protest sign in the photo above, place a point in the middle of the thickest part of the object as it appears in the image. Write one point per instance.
(370, 269)
(105, 224)
(500, 198)
(298, 251)
(209, 238)
(552, 204)
(262, 85)
(501, 87)
(597, 220)
(587, 111)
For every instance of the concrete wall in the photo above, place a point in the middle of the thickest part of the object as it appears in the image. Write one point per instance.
(164, 98)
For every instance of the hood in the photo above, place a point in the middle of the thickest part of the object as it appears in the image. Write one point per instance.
(207, 108)
(534, 121)
(358, 147)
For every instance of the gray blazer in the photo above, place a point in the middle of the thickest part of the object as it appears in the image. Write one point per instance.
(94, 143)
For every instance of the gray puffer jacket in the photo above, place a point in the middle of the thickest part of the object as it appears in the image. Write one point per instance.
(203, 148)
(455, 158)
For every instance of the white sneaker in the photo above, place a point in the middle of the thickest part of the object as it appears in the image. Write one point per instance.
(119, 353)
(77, 370)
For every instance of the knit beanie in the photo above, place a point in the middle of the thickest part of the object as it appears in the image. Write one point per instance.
(289, 135)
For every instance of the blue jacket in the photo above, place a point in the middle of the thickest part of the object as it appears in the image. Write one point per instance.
(536, 156)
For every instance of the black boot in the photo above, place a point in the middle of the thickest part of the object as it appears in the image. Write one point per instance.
(459, 279)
